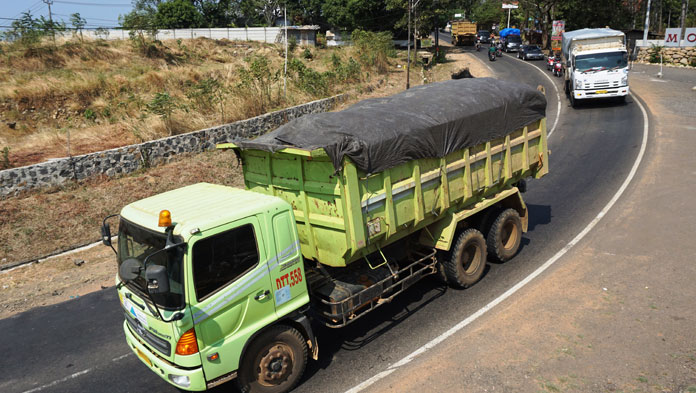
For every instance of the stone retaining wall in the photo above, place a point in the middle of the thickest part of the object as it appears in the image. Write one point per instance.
(676, 56)
(127, 159)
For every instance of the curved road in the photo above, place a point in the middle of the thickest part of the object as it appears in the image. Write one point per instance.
(79, 345)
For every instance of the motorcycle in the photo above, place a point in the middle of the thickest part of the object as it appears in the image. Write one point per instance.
(499, 49)
(491, 55)
(478, 45)
(557, 68)
(549, 62)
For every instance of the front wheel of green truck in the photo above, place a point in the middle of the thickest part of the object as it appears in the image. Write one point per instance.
(467, 261)
(274, 362)
(505, 235)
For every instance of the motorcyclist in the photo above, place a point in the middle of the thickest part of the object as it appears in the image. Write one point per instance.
(491, 52)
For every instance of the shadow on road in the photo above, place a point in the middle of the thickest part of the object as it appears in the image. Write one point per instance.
(374, 325)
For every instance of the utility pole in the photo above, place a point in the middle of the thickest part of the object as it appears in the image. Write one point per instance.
(682, 22)
(408, 49)
(647, 25)
(285, 73)
(50, 19)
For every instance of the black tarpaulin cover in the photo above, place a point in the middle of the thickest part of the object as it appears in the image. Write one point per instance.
(427, 121)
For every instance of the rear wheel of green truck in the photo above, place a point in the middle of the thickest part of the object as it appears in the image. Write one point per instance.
(505, 235)
(467, 260)
(274, 362)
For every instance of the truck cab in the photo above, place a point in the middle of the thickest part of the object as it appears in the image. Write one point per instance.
(203, 270)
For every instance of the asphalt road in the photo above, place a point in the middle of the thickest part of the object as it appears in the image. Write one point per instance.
(79, 346)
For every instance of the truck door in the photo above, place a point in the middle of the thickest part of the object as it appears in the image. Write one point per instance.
(231, 292)
(287, 275)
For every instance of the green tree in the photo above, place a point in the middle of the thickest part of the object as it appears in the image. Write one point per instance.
(26, 30)
(217, 13)
(594, 13)
(78, 23)
(371, 15)
(177, 14)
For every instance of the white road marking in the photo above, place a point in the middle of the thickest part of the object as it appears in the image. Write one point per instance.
(69, 377)
(437, 340)
(558, 95)
(116, 359)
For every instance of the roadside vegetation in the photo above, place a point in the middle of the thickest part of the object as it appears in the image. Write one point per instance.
(80, 95)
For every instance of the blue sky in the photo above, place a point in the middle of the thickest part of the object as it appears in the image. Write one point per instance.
(98, 13)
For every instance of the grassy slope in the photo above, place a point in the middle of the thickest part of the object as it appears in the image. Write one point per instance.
(97, 92)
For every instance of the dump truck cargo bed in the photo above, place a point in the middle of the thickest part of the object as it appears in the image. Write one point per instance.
(346, 210)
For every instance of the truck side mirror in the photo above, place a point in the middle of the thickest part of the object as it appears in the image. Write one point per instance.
(157, 279)
(130, 269)
(106, 234)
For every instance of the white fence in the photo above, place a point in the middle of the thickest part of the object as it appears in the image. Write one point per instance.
(304, 36)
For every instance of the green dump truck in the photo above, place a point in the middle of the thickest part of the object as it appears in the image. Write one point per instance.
(342, 211)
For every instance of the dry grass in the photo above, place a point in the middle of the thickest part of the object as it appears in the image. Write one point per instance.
(98, 91)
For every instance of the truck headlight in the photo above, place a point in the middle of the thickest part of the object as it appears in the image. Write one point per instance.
(578, 84)
(180, 380)
(624, 80)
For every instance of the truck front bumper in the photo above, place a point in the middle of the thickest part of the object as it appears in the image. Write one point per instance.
(601, 93)
(163, 368)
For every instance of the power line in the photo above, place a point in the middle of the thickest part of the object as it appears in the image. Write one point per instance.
(95, 4)
(31, 7)
(33, 11)
(89, 18)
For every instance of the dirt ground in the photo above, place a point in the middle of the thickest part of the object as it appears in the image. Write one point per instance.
(69, 276)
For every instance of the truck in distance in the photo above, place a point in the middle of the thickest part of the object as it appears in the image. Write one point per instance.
(595, 64)
(342, 212)
(463, 32)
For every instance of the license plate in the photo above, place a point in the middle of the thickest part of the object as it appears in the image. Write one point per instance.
(144, 357)
(601, 92)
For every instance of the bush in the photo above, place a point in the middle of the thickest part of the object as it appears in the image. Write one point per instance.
(5, 158)
(309, 80)
(345, 72)
(292, 44)
(163, 105)
(208, 93)
(654, 53)
(320, 41)
(90, 114)
(374, 49)
(307, 54)
(256, 83)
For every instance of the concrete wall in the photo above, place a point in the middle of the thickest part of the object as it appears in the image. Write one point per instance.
(303, 35)
(127, 159)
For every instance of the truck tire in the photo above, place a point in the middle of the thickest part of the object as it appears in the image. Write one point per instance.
(274, 362)
(467, 260)
(505, 235)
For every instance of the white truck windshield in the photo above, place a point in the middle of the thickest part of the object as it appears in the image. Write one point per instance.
(601, 61)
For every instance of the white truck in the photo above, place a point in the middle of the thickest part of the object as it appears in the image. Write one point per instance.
(595, 64)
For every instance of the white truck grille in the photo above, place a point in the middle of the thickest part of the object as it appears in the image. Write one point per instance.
(604, 84)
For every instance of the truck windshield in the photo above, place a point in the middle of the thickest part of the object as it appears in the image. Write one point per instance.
(601, 61)
(137, 242)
